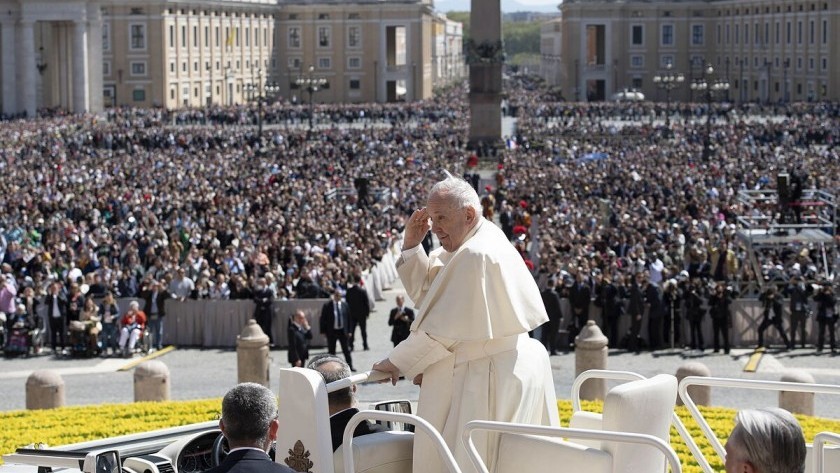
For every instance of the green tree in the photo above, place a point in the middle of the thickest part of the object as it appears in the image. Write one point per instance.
(522, 39)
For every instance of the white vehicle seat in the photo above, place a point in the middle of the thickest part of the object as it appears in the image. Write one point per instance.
(643, 406)
(531, 453)
(304, 442)
(381, 452)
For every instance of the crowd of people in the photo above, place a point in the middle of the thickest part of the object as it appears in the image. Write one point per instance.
(133, 200)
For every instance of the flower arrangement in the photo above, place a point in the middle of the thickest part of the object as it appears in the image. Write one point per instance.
(82, 423)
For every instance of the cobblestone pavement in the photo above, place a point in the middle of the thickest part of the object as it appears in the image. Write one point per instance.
(200, 374)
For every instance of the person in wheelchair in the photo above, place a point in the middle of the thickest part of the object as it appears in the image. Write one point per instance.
(22, 331)
(132, 325)
(84, 333)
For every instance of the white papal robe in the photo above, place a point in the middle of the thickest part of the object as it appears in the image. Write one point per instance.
(470, 341)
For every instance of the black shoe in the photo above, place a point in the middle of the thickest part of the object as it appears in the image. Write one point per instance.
(367, 348)
(554, 353)
(353, 369)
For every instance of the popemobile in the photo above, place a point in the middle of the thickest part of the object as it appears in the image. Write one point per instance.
(631, 435)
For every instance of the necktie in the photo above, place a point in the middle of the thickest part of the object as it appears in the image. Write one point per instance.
(338, 325)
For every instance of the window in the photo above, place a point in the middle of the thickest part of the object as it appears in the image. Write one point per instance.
(171, 36)
(355, 84)
(637, 83)
(139, 95)
(667, 35)
(184, 66)
(183, 36)
(218, 36)
(825, 32)
(323, 16)
(294, 63)
(737, 34)
(788, 32)
(697, 34)
(106, 36)
(138, 68)
(637, 35)
(323, 36)
(354, 37)
(206, 36)
(799, 32)
(665, 60)
(138, 37)
(746, 34)
(824, 64)
(354, 16)
(195, 36)
(354, 63)
(637, 61)
(247, 37)
(172, 67)
(106, 68)
(324, 63)
(294, 37)
(778, 32)
(810, 64)
(195, 66)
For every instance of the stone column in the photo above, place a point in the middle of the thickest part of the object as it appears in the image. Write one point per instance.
(484, 56)
(151, 382)
(95, 102)
(252, 360)
(797, 402)
(701, 395)
(9, 63)
(44, 390)
(26, 86)
(591, 354)
(81, 94)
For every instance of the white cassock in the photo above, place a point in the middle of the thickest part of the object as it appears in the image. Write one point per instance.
(470, 341)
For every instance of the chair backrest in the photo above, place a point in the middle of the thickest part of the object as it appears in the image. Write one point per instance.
(303, 441)
(644, 406)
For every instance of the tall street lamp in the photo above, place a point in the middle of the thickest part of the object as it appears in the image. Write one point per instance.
(668, 81)
(261, 92)
(710, 86)
(311, 84)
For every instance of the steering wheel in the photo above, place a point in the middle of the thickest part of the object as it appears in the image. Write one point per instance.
(219, 451)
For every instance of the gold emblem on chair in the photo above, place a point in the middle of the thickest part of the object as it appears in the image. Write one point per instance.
(298, 458)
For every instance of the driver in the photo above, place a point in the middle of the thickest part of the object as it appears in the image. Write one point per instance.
(342, 403)
(249, 423)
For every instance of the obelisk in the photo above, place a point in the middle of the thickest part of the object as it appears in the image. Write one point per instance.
(485, 56)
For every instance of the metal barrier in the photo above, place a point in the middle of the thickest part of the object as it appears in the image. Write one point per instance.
(819, 447)
(744, 384)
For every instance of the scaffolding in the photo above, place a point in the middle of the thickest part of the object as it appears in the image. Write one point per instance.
(770, 227)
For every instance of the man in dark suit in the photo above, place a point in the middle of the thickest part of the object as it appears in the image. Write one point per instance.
(56, 304)
(400, 319)
(359, 304)
(154, 295)
(249, 423)
(551, 301)
(342, 403)
(264, 300)
(299, 336)
(335, 324)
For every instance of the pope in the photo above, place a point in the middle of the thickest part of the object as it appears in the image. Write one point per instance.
(469, 348)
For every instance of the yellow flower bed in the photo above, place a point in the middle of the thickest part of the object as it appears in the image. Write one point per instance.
(82, 423)
(78, 424)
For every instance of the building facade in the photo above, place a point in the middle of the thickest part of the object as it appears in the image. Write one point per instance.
(88, 54)
(768, 51)
(551, 48)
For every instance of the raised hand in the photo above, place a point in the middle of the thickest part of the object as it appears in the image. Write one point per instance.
(416, 228)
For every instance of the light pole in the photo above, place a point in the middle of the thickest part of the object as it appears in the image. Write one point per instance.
(668, 82)
(312, 84)
(262, 92)
(710, 86)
